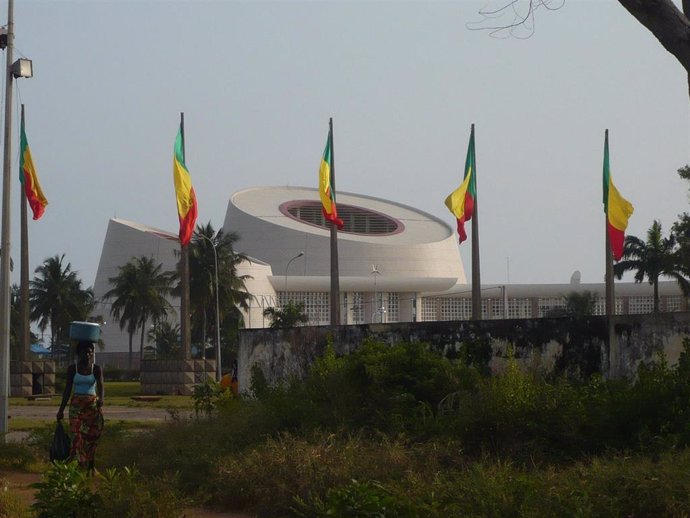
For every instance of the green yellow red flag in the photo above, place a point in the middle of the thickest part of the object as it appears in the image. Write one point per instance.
(29, 179)
(617, 209)
(184, 192)
(461, 201)
(326, 190)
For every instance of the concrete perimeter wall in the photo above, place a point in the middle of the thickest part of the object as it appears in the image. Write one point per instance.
(174, 377)
(559, 345)
(32, 377)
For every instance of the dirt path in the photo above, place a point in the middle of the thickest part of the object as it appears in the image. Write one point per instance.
(20, 483)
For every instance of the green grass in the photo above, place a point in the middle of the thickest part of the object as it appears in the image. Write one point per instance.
(122, 388)
(117, 393)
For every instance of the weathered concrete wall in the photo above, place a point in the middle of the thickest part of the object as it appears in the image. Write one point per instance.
(561, 345)
(174, 377)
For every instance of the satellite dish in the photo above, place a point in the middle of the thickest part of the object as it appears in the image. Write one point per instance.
(575, 277)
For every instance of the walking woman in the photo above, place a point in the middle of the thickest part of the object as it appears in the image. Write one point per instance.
(85, 384)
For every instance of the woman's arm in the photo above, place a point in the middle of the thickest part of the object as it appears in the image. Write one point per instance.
(100, 390)
(68, 390)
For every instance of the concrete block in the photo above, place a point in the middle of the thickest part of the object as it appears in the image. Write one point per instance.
(185, 390)
(210, 366)
(184, 378)
(17, 391)
(49, 367)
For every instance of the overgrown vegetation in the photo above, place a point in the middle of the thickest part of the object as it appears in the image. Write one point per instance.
(398, 431)
(67, 490)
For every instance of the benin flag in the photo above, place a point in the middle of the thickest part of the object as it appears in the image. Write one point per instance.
(461, 201)
(617, 209)
(186, 199)
(326, 190)
(29, 179)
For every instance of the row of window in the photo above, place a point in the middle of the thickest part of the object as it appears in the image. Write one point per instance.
(385, 307)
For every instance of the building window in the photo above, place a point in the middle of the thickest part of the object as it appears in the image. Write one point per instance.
(317, 305)
(674, 303)
(356, 220)
(550, 305)
(356, 308)
(429, 309)
(639, 305)
(393, 314)
(519, 308)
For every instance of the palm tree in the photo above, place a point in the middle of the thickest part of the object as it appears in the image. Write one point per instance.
(653, 258)
(57, 298)
(139, 293)
(166, 340)
(232, 291)
(291, 315)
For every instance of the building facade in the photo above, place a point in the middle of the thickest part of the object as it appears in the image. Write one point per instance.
(396, 264)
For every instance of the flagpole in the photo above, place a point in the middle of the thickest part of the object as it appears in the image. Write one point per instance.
(610, 292)
(24, 344)
(185, 330)
(476, 278)
(5, 234)
(611, 309)
(335, 282)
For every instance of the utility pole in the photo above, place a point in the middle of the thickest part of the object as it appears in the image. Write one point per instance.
(5, 233)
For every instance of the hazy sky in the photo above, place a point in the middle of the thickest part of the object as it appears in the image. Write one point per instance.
(257, 82)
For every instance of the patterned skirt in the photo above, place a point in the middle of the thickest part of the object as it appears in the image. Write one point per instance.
(85, 426)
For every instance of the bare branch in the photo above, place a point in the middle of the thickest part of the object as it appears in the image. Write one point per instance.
(513, 19)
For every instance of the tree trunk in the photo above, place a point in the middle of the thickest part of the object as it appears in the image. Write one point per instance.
(141, 345)
(203, 335)
(656, 295)
(667, 23)
(131, 339)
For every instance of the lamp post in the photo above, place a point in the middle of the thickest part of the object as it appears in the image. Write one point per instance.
(219, 372)
(20, 68)
(375, 272)
(288, 266)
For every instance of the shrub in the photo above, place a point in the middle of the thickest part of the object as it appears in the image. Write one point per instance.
(356, 500)
(68, 491)
(64, 491)
(11, 506)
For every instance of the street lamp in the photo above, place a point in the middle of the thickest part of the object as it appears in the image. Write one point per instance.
(219, 372)
(288, 266)
(375, 272)
(10, 74)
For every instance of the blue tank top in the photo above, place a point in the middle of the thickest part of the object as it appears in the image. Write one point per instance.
(84, 384)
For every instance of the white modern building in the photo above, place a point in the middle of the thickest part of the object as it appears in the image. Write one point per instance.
(396, 264)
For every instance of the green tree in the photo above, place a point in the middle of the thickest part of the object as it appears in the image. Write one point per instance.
(291, 315)
(232, 290)
(580, 303)
(651, 259)
(139, 293)
(166, 340)
(681, 230)
(56, 297)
